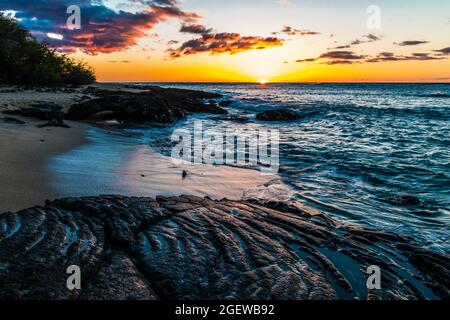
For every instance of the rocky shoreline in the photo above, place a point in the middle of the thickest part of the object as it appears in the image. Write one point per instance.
(133, 105)
(127, 105)
(189, 247)
(196, 248)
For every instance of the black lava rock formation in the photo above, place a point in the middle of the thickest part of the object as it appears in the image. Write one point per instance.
(196, 248)
(158, 105)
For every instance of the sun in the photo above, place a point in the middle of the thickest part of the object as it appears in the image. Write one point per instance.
(263, 81)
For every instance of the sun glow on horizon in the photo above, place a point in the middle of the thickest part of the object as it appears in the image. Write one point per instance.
(149, 61)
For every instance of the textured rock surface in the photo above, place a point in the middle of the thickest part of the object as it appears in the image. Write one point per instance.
(278, 115)
(154, 105)
(43, 111)
(11, 120)
(195, 248)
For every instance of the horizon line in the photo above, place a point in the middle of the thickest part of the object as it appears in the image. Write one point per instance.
(281, 82)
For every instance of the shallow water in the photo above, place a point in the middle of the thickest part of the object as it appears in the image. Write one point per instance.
(358, 150)
(111, 163)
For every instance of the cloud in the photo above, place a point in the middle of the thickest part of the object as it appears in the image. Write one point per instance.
(336, 57)
(55, 36)
(349, 57)
(341, 55)
(372, 37)
(411, 43)
(307, 60)
(286, 3)
(104, 29)
(219, 43)
(389, 56)
(293, 32)
(114, 61)
(334, 62)
(444, 51)
(367, 38)
(194, 29)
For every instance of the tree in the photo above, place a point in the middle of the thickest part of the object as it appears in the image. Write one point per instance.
(23, 60)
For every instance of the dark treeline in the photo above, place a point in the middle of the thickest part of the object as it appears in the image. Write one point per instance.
(23, 60)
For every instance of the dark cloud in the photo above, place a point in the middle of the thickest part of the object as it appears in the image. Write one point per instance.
(372, 37)
(334, 62)
(411, 43)
(306, 60)
(347, 46)
(219, 43)
(389, 56)
(195, 29)
(349, 57)
(367, 38)
(114, 61)
(103, 29)
(444, 51)
(336, 57)
(341, 55)
(294, 32)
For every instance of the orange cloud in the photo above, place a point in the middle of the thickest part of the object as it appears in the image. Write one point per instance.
(219, 43)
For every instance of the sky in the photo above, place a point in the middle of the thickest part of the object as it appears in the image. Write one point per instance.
(248, 40)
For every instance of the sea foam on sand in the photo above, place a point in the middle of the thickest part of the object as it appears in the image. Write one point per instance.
(113, 164)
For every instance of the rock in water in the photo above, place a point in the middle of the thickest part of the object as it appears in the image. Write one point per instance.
(404, 200)
(225, 103)
(194, 248)
(278, 115)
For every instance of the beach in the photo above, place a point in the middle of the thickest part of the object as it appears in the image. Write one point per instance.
(25, 150)
(34, 160)
(158, 150)
(92, 182)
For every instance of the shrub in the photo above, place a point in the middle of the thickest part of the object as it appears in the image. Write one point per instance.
(23, 60)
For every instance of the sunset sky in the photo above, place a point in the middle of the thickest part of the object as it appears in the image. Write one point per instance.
(248, 40)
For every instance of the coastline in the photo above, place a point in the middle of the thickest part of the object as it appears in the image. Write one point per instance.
(48, 163)
(26, 151)
(150, 234)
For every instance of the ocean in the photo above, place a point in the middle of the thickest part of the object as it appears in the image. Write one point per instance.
(373, 154)
(359, 150)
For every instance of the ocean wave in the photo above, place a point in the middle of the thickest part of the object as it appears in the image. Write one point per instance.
(435, 95)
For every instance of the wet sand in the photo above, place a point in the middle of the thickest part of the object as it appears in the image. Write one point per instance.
(24, 152)
(111, 163)
(37, 164)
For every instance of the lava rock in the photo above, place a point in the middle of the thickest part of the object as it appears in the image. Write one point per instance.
(405, 201)
(157, 105)
(225, 103)
(41, 111)
(278, 115)
(11, 120)
(192, 248)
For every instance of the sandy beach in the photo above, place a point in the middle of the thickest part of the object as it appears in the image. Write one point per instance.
(25, 148)
(24, 152)
(51, 162)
